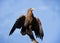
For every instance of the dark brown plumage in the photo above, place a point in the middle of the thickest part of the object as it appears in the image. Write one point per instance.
(29, 23)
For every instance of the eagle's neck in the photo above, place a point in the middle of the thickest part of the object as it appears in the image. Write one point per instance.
(29, 14)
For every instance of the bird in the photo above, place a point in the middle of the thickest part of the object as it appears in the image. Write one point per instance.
(29, 23)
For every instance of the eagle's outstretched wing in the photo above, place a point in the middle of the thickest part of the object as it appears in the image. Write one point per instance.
(37, 28)
(41, 33)
(18, 24)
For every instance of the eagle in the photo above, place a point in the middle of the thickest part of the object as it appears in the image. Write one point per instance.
(28, 24)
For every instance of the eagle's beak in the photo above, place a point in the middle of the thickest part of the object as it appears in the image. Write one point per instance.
(33, 8)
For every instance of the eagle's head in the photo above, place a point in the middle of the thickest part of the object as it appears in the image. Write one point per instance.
(29, 12)
(31, 9)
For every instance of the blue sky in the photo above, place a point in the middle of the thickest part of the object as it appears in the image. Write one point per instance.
(48, 11)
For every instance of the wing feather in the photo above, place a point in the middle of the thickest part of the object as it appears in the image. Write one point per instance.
(37, 28)
(18, 24)
(41, 33)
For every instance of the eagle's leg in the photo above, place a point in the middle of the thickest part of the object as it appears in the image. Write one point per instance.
(30, 34)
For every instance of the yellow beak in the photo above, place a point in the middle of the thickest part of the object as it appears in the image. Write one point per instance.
(33, 8)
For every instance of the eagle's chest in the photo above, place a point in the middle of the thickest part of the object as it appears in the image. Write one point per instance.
(28, 21)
